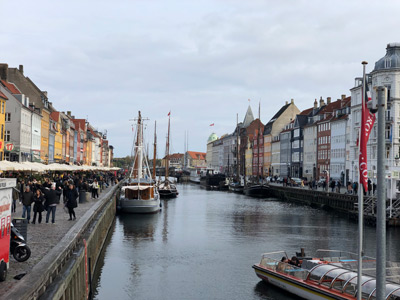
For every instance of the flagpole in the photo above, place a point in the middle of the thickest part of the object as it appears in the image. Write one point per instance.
(360, 197)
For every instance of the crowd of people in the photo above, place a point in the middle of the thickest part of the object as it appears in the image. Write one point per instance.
(42, 193)
(334, 186)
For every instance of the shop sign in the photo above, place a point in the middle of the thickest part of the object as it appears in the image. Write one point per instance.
(9, 146)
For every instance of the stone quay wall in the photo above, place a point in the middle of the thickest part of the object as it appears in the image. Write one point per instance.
(342, 203)
(64, 273)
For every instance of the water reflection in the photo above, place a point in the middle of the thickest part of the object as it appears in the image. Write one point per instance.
(203, 243)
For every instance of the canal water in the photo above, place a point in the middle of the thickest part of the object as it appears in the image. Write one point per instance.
(203, 243)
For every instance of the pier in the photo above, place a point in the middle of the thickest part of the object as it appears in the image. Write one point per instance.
(340, 202)
(57, 268)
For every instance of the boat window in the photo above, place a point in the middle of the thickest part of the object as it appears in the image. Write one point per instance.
(393, 291)
(342, 279)
(329, 276)
(368, 286)
(395, 295)
(319, 271)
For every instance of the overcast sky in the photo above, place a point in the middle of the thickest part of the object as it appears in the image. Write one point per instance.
(201, 60)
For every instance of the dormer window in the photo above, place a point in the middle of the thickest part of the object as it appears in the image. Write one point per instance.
(388, 63)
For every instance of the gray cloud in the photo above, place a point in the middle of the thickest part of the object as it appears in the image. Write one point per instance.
(200, 59)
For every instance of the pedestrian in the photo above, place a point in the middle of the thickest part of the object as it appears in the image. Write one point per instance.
(15, 197)
(72, 195)
(349, 188)
(333, 184)
(27, 199)
(369, 187)
(38, 207)
(373, 188)
(338, 186)
(52, 198)
(95, 189)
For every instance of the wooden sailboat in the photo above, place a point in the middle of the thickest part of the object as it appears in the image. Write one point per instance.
(257, 188)
(166, 188)
(139, 195)
(236, 186)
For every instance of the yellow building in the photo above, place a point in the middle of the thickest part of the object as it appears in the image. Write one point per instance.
(89, 147)
(3, 100)
(44, 141)
(58, 140)
(284, 116)
(249, 159)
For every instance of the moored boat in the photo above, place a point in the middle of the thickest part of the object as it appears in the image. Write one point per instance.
(166, 188)
(139, 195)
(236, 187)
(195, 175)
(256, 190)
(211, 179)
(332, 275)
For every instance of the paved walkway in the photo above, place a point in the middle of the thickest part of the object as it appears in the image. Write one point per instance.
(42, 237)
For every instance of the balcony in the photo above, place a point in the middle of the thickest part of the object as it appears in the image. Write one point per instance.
(388, 119)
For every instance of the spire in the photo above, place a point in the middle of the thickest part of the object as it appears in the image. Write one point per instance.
(248, 118)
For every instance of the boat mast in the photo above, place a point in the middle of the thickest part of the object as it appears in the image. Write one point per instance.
(140, 147)
(237, 149)
(258, 144)
(155, 150)
(167, 151)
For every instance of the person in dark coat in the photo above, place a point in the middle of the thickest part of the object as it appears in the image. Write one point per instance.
(52, 198)
(38, 207)
(27, 199)
(72, 195)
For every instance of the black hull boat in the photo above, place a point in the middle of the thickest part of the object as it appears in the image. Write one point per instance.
(257, 190)
(236, 187)
(167, 194)
(212, 181)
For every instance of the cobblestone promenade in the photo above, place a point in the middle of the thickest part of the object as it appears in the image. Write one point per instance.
(42, 237)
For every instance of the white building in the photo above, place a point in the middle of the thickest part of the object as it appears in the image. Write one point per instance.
(338, 142)
(36, 133)
(310, 151)
(386, 73)
(276, 156)
(209, 155)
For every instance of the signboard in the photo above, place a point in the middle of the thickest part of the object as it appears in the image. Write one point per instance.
(9, 146)
(395, 174)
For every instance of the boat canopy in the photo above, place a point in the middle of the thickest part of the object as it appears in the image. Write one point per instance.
(345, 281)
(135, 187)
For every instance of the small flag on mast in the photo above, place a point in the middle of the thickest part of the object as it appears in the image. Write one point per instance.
(212, 124)
(169, 113)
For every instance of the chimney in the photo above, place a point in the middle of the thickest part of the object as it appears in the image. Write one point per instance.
(45, 93)
(291, 101)
(21, 69)
(343, 96)
(321, 102)
(4, 72)
(68, 113)
(328, 100)
(286, 102)
(315, 104)
(73, 117)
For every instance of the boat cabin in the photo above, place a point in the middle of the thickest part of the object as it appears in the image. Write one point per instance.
(142, 192)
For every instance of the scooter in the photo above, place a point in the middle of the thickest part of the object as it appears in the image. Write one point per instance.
(18, 247)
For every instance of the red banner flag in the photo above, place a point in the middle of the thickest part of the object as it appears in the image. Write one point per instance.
(367, 122)
(212, 124)
(169, 114)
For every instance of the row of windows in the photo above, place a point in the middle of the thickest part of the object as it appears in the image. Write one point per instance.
(324, 140)
(324, 154)
(324, 127)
